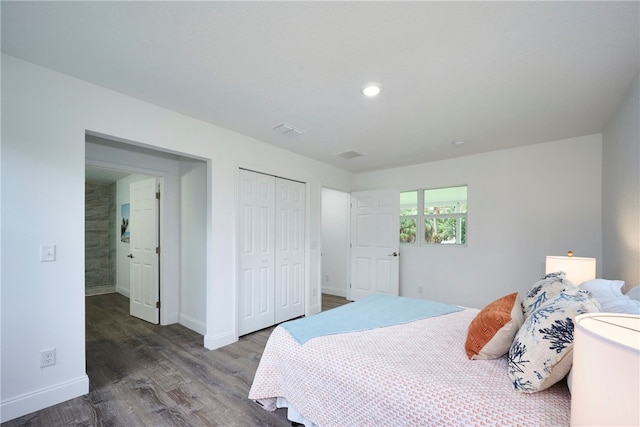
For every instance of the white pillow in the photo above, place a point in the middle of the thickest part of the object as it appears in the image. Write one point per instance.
(621, 304)
(603, 288)
(634, 293)
(542, 350)
(609, 294)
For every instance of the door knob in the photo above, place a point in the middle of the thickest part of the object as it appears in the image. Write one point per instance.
(130, 256)
(394, 254)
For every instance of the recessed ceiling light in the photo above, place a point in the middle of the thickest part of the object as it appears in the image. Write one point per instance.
(371, 90)
(458, 141)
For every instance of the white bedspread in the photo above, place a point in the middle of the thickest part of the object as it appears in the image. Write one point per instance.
(415, 374)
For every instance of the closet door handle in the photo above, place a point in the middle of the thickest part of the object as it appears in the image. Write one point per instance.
(130, 256)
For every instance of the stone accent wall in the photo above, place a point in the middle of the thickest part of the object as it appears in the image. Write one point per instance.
(100, 238)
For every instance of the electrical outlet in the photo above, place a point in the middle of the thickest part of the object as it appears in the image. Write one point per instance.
(419, 289)
(47, 357)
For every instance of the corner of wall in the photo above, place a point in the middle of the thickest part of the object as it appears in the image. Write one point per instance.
(621, 191)
(213, 342)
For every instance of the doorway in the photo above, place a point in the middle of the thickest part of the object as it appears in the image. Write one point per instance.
(335, 241)
(106, 243)
(183, 213)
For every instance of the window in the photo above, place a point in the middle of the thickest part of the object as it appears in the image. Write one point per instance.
(434, 216)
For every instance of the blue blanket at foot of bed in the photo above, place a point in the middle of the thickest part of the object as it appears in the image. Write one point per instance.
(374, 311)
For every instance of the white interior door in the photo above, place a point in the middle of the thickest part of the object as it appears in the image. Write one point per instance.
(289, 272)
(144, 295)
(375, 246)
(256, 251)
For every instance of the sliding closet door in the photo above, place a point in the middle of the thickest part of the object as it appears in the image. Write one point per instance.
(271, 254)
(256, 248)
(289, 280)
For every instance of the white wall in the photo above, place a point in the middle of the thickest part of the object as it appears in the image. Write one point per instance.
(45, 116)
(193, 244)
(524, 203)
(335, 241)
(621, 191)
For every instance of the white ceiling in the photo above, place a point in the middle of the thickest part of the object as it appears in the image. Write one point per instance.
(103, 176)
(496, 74)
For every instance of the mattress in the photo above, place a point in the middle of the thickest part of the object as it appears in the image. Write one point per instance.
(411, 374)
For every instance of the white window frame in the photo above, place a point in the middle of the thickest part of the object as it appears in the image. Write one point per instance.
(421, 216)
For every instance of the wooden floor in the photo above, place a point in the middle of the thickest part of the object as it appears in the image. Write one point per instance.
(148, 375)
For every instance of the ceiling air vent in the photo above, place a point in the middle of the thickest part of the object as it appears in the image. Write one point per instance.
(287, 130)
(351, 154)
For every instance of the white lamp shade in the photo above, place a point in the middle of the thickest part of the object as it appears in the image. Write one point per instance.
(578, 269)
(605, 387)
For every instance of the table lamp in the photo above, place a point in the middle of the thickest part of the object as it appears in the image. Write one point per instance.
(578, 269)
(605, 387)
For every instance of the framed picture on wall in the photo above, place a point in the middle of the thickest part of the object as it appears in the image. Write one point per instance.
(124, 226)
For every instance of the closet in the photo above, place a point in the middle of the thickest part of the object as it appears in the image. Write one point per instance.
(271, 251)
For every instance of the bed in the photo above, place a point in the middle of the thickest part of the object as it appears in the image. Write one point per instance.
(414, 373)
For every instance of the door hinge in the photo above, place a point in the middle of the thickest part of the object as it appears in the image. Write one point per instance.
(349, 285)
(158, 250)
(157, 304)
(158, 195)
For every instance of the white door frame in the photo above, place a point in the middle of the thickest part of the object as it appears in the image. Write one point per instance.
(169, 211)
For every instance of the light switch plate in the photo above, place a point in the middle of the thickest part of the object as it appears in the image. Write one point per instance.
(47, 253)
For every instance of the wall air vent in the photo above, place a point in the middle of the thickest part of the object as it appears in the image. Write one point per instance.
(351, 154)
(287, 130)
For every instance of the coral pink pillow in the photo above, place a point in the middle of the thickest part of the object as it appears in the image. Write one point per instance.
(491, 332)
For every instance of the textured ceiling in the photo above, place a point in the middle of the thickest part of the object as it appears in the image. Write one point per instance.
(496, 74)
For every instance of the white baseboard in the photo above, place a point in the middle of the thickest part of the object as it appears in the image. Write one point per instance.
(339, 292)
(99, 290)
(123, 291)
(43, 398)
(212, 342)
(169, 318)
(193, 324)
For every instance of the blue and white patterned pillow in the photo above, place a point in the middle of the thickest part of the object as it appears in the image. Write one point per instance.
(543, 290)
(542, 351)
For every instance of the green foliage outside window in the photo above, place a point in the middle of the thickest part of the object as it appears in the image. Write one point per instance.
(443, 213)
(407, 230)
(444, 230)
